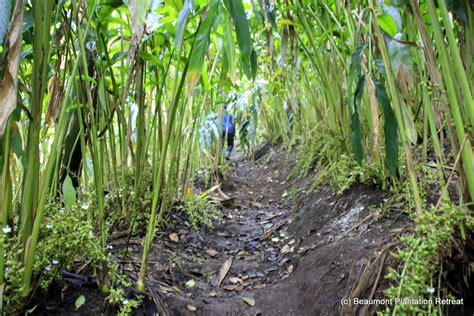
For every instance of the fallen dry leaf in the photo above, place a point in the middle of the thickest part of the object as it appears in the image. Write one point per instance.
(250, 258)
(174, 237)
(249, 300)
(211, 252)
(285, 249)
(240, 288)
(11, 60)
(231, 287)
(290, 269)
(212, 294)
(219, 277)
(191, 307)
(235, 280)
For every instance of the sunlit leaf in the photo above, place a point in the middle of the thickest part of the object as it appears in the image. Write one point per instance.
(181, 24)
(201, 45)
(387, 24)
(80, 301)
(69, 193)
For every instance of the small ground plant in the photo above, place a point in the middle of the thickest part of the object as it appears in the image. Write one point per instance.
(199, 210)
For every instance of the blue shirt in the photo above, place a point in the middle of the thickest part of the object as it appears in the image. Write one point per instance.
(227, 123)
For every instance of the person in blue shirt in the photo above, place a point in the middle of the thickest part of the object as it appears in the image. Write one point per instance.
(228, 131)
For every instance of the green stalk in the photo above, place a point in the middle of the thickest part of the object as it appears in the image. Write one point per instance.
(5, 197)
(467, 155)
(319, 66)
(159, 185)
(456, 57)
(42, 11)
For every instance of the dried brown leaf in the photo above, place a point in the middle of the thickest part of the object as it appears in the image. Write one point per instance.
(191, 307)
(11, 60)
(219, 277)
(211, 252)
(174, 237)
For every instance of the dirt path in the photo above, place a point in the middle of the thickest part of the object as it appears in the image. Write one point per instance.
(277, 250)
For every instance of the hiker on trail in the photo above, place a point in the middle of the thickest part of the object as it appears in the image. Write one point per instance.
(228, 131)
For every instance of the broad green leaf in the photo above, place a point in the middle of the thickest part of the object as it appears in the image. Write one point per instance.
(356, 135)
(390, 127)
(254, 63)
(387, 24)
(288, 22)
(69, 193)
(113, 3)
(395, 14)
(116, 21)
(229, 49)
(201, 45)
(242, 29)
(205, 80)
(355, 67)
(80, 301)
(146, 56)
(181, 24)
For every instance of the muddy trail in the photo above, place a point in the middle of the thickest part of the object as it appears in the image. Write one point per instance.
(277, 249)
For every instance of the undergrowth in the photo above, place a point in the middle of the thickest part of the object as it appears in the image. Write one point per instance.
(69, 237)
(127, 209)
(423, 252)
(324, 153)
(422, 257)
(199, 210)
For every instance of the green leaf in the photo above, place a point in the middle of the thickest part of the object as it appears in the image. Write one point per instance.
(387, 24)
(146, 56)
(181, 25)
(249, 300)
(242, 29)
(390, 128)
(80, 301)
(201, 45)
(69, 193)
(229, 49)
(254, 63)
(356, 135)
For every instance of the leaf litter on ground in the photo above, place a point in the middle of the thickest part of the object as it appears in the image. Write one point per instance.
(220, 276)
